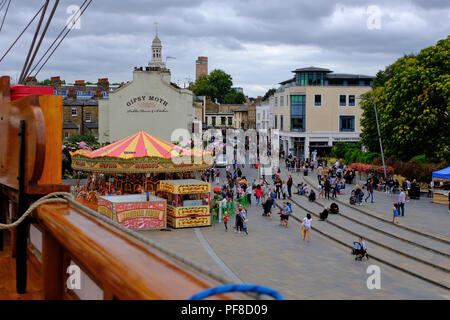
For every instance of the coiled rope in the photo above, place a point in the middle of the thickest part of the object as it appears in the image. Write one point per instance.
(237, 288)
(55, 197)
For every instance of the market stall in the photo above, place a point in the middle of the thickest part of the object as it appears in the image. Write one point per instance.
(135, 211)
(187, 202)
(441, 186)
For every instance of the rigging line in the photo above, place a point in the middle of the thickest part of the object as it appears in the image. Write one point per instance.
(62, 39)
(20, 35)
(21, 78)
(4, 17)
(42, 38)
(59, 35)
(2, 4)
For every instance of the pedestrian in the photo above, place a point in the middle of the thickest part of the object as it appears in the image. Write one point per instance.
(217, 176)
(327, 187)
(244, 220)
(370, 187)
(401, 202)
(249, 194)
(319, 173)
(225, 221)
(306, 226)
(258, 194)
(289, 183)
(284, 189)
(284, 215)
(395, 213)
(274, 197)
(268, 207)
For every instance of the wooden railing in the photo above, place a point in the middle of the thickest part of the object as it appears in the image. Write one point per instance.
(121, 265)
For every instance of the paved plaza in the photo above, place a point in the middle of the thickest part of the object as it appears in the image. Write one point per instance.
(277, 257)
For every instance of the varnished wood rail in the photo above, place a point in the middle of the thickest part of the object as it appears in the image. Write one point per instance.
(123, 266)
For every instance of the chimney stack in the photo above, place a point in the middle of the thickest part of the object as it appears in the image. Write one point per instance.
(201, 67)
(80, 85)
(56, 83)
(30, 81)
(103, 84)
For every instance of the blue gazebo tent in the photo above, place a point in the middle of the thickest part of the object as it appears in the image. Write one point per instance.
(442, 174)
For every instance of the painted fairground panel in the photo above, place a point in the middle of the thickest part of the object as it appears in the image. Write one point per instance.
(136, 212)
(187, 202)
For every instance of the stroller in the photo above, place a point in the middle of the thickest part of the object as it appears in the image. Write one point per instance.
(358, 250)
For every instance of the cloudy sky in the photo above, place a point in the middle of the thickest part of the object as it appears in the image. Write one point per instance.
(258, 42)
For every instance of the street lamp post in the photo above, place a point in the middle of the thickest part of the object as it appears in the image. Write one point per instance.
(378, 131)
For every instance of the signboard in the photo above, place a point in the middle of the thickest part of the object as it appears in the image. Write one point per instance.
(141, 215)
(184, 188)
(147, 103)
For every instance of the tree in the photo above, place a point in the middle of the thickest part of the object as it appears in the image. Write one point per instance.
(269, 93)
(216, 86)
(413, 101)
(89, 138)
(234, 97)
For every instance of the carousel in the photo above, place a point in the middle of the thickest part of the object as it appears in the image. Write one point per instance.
(127, 173)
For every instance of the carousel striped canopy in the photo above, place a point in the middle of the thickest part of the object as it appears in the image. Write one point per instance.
(140, 145)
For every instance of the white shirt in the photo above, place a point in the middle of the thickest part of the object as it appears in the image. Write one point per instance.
(402, 197)
(307, 222)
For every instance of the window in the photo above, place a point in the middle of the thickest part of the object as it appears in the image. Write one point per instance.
(213, 121)
(347, 123)
(287, 101)
(281, 101)
(259, 116)
(223, 120)
(351, 100)
(298, 113)
(230, 121)
(342, 100)
(88, 117)
(276, 122)
(276, 101)
(66, 135)
(74, 112)
(281, 123)
(318, 100)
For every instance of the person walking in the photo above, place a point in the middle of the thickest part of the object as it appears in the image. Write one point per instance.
(370, 187)
(395, 213)
(319, 173)
(306, 225)
(327, 186)
(258, 194)
(284, 189)
(244, 220)
(274, 197)
(225, 221)
(401, 202)
(289, 184)
(249, 194)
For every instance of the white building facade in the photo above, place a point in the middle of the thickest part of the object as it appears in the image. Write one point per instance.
(150, 102)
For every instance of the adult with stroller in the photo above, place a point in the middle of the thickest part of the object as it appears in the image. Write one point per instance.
(268, 207)
(360, 249)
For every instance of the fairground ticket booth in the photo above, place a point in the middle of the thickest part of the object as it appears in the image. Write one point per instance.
(187, 202)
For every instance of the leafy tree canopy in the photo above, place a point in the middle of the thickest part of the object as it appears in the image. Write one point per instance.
(413, 100)
(216, 85)
(269, 93)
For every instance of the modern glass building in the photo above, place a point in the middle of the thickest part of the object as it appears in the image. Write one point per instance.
(316, 108)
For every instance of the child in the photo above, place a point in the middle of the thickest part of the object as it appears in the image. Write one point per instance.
(395, 213)
(225, 221)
